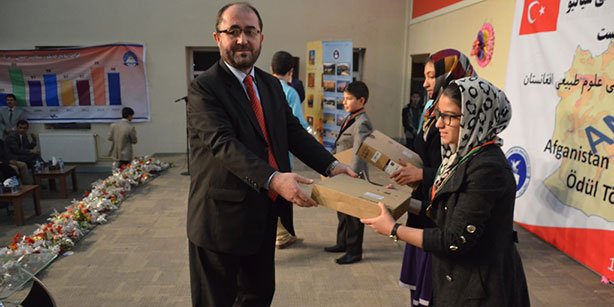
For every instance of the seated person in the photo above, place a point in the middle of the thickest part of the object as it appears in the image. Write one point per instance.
(10, 167)
(20, 147)
(6, 169)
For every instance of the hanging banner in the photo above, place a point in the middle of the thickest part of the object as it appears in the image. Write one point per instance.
(329, 71)
(336, 75)
(314, 91)
(426, 9)
(90, 84)
(560, 143)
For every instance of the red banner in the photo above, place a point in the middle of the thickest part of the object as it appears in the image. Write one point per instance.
(423, 7)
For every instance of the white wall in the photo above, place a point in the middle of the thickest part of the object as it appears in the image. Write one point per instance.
(168, 27)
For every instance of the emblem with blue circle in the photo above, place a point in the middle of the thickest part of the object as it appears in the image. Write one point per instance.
(518, 158)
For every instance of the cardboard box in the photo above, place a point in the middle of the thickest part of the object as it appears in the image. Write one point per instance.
(359, 198)
(385, 153)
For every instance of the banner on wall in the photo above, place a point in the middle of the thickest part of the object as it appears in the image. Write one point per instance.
(560, 143)
(89, 84)
(329, 71)
(314, 91)
(425, 9)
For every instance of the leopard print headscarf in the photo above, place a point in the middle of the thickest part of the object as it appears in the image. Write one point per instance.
(486, 112)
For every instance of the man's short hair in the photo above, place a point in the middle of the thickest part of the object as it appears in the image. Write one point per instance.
(11, 96)
(22, 122)
(127, 111)
(282, 62)
(358, 89)
(242, 4)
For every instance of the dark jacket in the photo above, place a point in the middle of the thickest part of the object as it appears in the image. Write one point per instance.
(430, 153)
(228, 208)
(19, 146)
(475, 261)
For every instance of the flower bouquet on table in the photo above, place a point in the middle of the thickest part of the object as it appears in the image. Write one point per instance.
(80, 213)
(53, 237)
(67, 227)
(153, 166)
(71, 227)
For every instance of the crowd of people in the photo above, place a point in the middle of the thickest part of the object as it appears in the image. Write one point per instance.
(18, 150)
(244, 122)
(460, 246)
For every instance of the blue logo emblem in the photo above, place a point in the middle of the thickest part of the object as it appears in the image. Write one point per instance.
(130, 59)
(518, 159)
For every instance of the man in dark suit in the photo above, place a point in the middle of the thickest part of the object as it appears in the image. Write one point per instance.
(240, 132)
(22, 148)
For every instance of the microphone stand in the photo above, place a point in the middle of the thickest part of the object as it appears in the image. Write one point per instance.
(187, 151)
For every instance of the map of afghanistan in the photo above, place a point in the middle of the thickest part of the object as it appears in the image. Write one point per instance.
(583, 137)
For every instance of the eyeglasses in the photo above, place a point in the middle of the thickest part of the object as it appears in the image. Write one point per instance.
(235, 32)
(446, 118)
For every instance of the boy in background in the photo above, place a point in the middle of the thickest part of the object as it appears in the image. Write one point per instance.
(281, 65)
(122, 135)
(354, 130)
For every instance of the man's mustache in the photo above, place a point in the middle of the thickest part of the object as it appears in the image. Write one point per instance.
(242, 49)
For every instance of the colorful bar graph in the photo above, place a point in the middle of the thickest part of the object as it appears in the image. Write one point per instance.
(115, 98)
(100, 97)
(2, 99)
(51, 90)
(83, 92)
(19, 86)
(68, 93)
(36, 93)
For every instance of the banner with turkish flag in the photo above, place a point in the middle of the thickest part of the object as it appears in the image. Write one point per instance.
(560, 141)
(539, 16)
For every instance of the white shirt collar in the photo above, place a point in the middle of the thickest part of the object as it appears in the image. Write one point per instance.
(239, 74)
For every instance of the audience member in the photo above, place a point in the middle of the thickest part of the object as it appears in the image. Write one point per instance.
(10, 116)
(18, 166)
(6, 169)
(410, 117)
(21, 147)
(297, 84)
(122, 135)
(281, 65)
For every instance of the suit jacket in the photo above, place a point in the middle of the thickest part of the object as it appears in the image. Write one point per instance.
(228, 207)
(5, 158)
(122, 135)
(18, 114)
(351, 137)
(474, 257)
(20, 148)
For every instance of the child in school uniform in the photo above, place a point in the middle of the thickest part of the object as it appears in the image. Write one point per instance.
(355, 128)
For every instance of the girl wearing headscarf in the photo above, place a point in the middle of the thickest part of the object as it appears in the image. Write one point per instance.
(442, 67)
(474, 257)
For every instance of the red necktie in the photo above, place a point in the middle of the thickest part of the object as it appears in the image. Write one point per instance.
(257, 107)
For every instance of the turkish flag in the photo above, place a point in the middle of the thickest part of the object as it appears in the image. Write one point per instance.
(539, 16)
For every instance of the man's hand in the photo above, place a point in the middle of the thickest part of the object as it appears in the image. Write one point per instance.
(342, 169)
(33, 136)
(408, 174)
(287, 186)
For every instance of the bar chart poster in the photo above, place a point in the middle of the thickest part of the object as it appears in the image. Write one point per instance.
(89, 84)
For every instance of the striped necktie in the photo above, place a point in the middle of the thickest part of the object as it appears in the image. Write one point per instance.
(257, 107)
